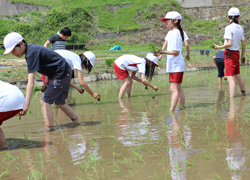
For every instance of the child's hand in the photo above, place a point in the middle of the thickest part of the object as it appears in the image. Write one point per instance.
(187, 57)
(44, 87)
(96, 96)
(216, 46)
(155, 88)
(243, 60)
(81, 91)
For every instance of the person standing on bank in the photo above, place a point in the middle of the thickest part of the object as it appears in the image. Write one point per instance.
(145, 66)
(12, 102)
(59, 40)
(49, 63)
(234, 35)
(175, 61)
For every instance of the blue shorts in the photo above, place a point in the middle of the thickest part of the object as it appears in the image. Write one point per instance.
(57, 90)
(220, 66)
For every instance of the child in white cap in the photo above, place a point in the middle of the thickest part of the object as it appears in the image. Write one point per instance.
(47, 62)
(11, 103)
(175, 61)
(79, 62)
(234, 35)
(134, 64)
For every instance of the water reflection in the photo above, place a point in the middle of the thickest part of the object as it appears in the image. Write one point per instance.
(236, 150)
(180, 143)
(221, 103)
(135, 125)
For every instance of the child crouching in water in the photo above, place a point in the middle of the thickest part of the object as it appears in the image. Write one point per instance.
(175, 61)
(79, 62)
(145, 66)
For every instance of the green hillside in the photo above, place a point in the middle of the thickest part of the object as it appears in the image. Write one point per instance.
(99, 23)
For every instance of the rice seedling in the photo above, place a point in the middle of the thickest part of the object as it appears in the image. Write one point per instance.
(59, 169)
(9, 157)
(208, 156)
(35, 174)
(190, 163)
(4, 173)
(137, 155)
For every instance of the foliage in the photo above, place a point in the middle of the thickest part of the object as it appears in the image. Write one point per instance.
(4, 24)
(86, 18)
(37, 28)
(109, 62)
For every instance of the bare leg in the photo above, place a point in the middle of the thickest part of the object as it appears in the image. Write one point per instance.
(3, 143)
(174, 95)
(220, 83)
(69, 112)
(47, 114)
(126, 84)
(241, 84)
(232, 85)
(129, 87)
(181, 96)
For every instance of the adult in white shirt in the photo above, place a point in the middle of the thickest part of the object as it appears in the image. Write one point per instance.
(175, 61)
(132, 63)
(234, 35)
(79, 62)
(12, 102)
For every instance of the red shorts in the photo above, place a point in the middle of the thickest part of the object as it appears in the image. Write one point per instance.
(7, 115)
(232, 63)
(43, 78)
(121, 74)
(176, 77)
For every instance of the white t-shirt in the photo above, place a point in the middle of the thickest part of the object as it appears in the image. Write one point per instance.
(131, 63)
(11, 98)
(72, 58)
(236, 33)
(175, 63)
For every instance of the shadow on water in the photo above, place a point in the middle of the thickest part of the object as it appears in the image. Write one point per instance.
(199, 105)
(69, 126)
(17, 143)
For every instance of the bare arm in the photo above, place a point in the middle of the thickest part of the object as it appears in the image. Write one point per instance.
(47, 43)
(229, 43)
(81, 91)
(85, 85)
(163, 49)
(187, 49)
(175, 53)
(243, 51)
(214, 61)
(143, 80)
(29, 91)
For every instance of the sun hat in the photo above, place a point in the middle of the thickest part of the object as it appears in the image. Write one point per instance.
(10, 41)
(171, 15)
(152, 58)
(234, 12)
(91, 57)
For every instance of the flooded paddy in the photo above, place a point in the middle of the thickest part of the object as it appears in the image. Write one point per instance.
(136, 138)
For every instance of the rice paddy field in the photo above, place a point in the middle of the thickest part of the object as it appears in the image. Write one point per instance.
(137, 138)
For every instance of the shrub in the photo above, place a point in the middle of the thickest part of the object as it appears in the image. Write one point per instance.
(109, 62)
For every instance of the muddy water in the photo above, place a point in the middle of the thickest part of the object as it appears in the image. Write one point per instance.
(136, 139)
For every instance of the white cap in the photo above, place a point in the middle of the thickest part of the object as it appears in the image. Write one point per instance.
(171, 15)
(10, 41)
(152, 58)
(234, 12)
(90, 56)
